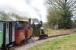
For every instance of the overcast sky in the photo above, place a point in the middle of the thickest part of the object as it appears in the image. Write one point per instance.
(31, 8)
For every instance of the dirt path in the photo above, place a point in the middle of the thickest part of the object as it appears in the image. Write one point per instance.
(55, 34)
(26, 47)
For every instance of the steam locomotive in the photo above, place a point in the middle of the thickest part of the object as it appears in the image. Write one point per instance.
(23, 31)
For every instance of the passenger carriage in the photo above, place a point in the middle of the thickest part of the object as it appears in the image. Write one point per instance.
(11, 34)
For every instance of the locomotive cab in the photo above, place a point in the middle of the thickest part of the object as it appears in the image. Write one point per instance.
(23, 32)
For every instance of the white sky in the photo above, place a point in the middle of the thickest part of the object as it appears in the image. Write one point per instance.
(33, 8)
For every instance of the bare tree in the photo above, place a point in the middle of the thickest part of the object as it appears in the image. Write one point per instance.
(67, 6)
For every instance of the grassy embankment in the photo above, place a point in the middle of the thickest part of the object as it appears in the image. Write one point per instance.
(60, 43)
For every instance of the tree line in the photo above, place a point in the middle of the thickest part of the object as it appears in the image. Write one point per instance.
(60, 13)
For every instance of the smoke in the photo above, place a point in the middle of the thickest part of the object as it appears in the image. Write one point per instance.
(29, 8)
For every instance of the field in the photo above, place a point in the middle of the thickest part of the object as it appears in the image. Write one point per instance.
(67, 42)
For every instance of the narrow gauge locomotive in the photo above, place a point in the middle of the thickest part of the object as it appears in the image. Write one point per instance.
(23, 31)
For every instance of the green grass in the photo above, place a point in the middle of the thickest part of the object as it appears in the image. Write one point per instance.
(60, 43)
(51, 31)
